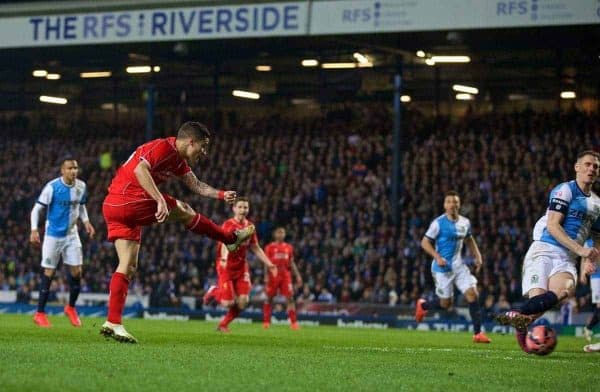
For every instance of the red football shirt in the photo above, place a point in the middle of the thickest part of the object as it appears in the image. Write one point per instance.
(280, 253)
(236, 261)
(164, 161)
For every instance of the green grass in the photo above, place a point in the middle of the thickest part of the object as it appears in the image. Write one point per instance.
(175, 356)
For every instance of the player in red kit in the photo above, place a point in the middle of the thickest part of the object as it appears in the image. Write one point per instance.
(234, 275)
(134, 201)
(282, 255)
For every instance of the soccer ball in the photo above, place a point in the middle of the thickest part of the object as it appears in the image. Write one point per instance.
(541, 340)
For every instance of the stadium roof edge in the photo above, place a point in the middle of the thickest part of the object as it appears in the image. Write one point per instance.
(60, 7)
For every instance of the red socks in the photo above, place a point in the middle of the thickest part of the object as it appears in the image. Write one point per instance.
(233, 312)
(202, 225)
(267, 313)
(119, 284)
(292, 316)
(267, 309)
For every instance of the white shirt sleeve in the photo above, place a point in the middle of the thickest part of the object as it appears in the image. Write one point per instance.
(560, 198)
(433, 230)
(83, 215)
(35, 216)
(42, 202)
(84, 195)
(46, 196)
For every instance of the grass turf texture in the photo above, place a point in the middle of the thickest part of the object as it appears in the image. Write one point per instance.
(174, 356)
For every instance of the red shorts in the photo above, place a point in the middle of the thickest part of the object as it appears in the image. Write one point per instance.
(125, 215)
(232, 287)
(282, 283)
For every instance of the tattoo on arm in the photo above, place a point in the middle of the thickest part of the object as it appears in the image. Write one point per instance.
(199, 187)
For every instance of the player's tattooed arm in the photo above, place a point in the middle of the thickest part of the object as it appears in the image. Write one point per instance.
(203, 189)
(199, 187)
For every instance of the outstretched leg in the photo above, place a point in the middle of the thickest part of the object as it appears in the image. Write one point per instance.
(560, 286)
(199, 224)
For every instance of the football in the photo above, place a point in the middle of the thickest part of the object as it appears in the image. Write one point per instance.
(541, 340)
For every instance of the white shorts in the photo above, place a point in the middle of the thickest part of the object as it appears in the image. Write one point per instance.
(460, 276)
(68, 247)
(595, 285)
(542, 261)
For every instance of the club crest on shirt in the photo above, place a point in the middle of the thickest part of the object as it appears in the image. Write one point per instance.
(461, 232)
(535, 279)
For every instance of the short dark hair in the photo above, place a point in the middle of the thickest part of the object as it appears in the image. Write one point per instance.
(588, 152)
(194, 130)
(66, 159)
(241, 198)
(451, 193)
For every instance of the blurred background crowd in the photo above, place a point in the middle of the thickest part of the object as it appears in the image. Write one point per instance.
(326, 179)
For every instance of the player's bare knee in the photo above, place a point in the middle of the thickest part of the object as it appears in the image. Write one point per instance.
(76, 272)
(49, 272)
(563, 292)
(562, 284)
(227, 304)
(182, 212)
(242, 301)
(445, 303)
(471, 295)
(535, 292)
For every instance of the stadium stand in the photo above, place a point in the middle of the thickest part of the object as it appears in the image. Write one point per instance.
(326, 179)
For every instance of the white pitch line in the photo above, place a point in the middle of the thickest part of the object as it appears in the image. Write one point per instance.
(491, 354)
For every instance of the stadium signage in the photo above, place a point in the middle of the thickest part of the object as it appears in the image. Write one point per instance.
(240, 21)
(288, 19)
(369, 16)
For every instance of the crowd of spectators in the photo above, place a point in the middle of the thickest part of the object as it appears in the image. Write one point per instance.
(325, 178)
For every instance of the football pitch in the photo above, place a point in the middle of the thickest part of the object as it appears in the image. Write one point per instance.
(180, 356)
